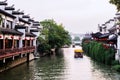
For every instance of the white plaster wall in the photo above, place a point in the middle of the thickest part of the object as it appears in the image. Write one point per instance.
(117, 56)
(22, 37)
(9, 11)
(36, 33)
(2, 7)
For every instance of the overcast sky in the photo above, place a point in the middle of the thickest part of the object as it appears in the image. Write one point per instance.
(78, 16)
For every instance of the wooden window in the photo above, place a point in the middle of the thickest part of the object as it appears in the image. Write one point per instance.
(3, 23)
(9, 24)
(1, 44)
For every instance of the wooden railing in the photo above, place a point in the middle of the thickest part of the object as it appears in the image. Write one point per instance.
(12, 52)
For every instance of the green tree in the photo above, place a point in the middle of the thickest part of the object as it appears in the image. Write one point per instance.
(116, 3)
(55, 36)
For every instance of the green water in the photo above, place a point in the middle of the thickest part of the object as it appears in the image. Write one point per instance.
(61, 67)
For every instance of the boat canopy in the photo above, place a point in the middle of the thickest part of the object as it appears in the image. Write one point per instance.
(78, 50)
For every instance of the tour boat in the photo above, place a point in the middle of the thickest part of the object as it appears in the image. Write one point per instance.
(78, 53)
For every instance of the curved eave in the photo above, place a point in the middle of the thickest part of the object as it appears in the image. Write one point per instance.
(25, 16)
(22, 20)
(9, 8)
(106, 35)
(20, 27)
(30, 20)
(112, 29)
(96, 35)
(17, 13)
(30, 34)
(10, 31)
(35, 30)
(7, 14)
(36, 24)
(3, 3)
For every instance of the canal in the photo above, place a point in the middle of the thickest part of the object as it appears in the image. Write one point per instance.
(61, 67)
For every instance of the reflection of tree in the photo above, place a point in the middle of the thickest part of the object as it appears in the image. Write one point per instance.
(51, 68)
(104, 71)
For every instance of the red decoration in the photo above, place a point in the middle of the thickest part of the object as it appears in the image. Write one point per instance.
(12, 37)
(110, 42)
(19, 38)
(0, 36)
(105, 46)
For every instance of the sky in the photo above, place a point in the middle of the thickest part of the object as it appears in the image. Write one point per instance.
(77, 16)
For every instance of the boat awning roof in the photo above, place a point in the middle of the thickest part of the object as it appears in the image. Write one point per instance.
(78, 50)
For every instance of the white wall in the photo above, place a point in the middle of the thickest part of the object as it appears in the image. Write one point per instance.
(22, 37)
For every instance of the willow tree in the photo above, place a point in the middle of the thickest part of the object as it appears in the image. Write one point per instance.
(116, 3)
(55, 36)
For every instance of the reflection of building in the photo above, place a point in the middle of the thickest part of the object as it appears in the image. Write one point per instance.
(18, 34)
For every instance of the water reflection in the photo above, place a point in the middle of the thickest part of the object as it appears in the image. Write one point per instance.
(104, 72)
(61, 67)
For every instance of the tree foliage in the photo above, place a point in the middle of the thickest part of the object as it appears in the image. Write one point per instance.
(99, 51)
(55, 36)
(116, 3)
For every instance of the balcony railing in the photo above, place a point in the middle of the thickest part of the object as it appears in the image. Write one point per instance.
(12, 52)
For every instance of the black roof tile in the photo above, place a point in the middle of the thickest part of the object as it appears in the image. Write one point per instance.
(9, 8)
(20, 27)
(10, 31)
(7, 14)
(30, 34)
(3, 3)
(20, 19)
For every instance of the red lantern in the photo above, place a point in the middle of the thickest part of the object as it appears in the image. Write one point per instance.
(19, 38)
(25, 38)
(12, 37)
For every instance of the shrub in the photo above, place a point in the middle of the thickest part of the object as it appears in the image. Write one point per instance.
(99, 51)
(116, 67)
